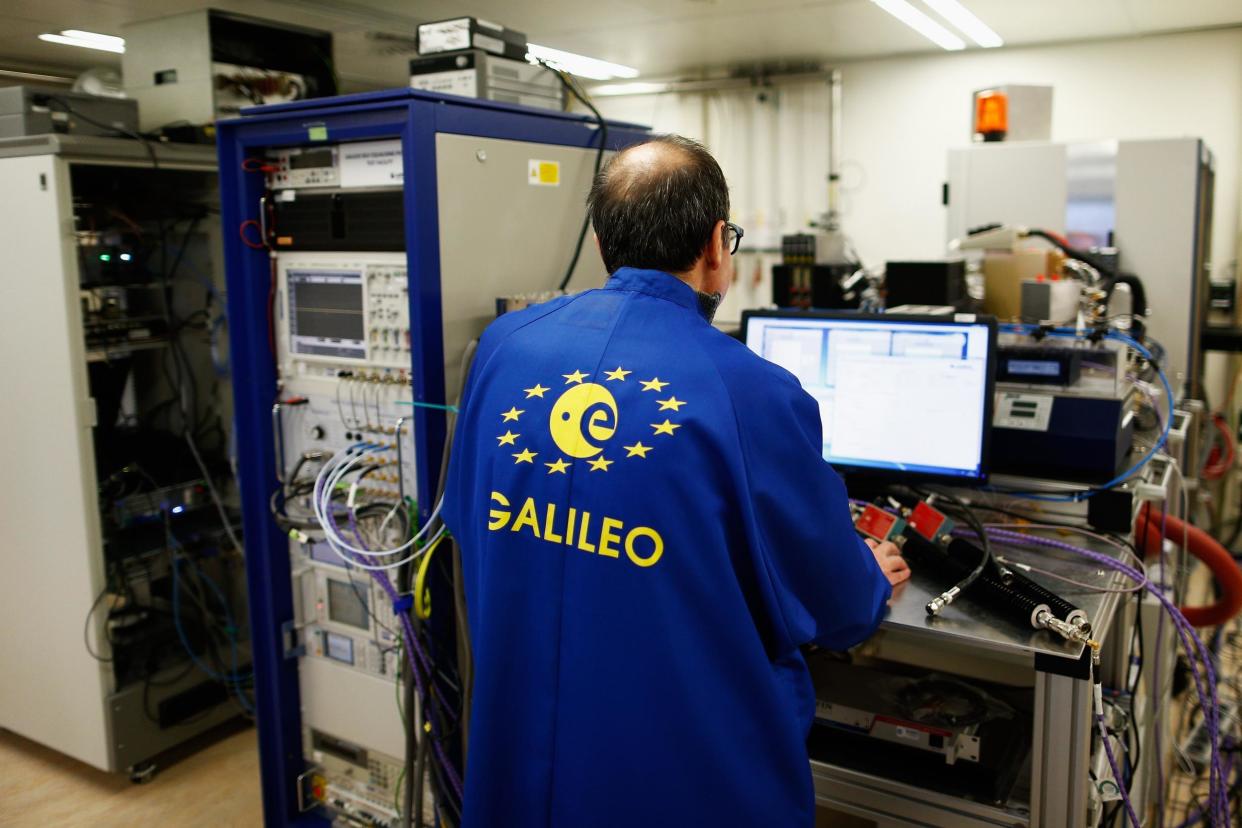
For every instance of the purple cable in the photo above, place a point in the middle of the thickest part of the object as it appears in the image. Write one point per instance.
(412, 649)
(1185, 632)
(1218, 797)
(1197, 815)
(1112, 763)
(1156, 737)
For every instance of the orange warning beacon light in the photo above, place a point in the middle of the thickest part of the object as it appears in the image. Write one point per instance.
(991, 115)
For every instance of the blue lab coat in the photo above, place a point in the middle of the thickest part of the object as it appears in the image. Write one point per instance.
(648, 534)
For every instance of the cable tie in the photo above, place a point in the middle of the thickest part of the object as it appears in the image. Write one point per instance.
(403, 603)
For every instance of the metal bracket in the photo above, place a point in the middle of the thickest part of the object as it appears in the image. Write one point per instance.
(306, 782)
(278, 428)
(1157, 485)
(291, 646)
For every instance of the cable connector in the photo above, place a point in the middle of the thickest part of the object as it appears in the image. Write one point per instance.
(945, 598)
(1071, 632)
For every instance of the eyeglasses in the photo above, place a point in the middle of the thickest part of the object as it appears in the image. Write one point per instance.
(737, 232)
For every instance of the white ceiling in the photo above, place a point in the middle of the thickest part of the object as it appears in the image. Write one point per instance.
(659, 37)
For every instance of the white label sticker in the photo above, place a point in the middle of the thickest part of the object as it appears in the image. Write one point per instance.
(457, 82)
(908, 733)
(488, 43)
(371, 164)
(447, 36)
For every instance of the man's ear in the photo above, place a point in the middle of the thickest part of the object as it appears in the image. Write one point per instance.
(715, 253)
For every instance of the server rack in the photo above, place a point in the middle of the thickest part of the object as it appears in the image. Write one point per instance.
(461, 252)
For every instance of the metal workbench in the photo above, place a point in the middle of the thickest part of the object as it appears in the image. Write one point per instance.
(1052, 789)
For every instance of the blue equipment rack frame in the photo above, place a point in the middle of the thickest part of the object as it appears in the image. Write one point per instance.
(414, 117)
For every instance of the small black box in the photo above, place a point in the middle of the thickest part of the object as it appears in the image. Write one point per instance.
(362, 220)
(461, 33)
(936, 282)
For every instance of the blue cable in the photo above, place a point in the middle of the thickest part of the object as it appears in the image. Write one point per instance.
(233, 680)
(1155, 449)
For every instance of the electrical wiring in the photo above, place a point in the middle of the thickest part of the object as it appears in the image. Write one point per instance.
(246, 240)
(1048, 573)
(585, 100)
(1098, 698)
(86, 629)
(422, 595)
(1204, 680)
(325, 483)
(233, 679)
(947, 597)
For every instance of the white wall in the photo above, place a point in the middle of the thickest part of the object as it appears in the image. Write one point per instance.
(902, 115)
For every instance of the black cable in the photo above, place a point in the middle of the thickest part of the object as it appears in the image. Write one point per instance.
(1098, 263)
(86, 628)
(1137, 639)
(985, 559)
(585, 100)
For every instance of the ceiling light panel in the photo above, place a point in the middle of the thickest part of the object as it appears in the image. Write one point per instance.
(965, 21)
(586, 67)
(921, 23)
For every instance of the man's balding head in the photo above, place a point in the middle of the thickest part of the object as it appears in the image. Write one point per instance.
(655, 205)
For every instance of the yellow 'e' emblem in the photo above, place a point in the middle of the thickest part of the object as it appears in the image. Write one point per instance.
(584, 417)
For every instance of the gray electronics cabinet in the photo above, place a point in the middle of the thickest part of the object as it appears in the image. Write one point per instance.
(1151, 199)
(207, 64)
(60, 559)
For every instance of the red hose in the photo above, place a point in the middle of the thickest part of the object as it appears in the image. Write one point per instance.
(1204, 547)
(1216, 466)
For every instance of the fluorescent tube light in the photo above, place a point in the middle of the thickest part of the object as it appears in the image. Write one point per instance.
(586, 67)
(94, 37)
(966, 22)
(922, 24)
(103, 46)
(636, 88)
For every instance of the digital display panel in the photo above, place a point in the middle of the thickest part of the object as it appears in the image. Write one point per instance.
(309, 159)
(326, 313)
(347, 605)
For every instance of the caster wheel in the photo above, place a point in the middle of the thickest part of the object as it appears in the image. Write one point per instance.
(142, 773)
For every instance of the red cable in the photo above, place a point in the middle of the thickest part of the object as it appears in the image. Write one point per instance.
(257, 165)
(1204, 547)
(241, 231)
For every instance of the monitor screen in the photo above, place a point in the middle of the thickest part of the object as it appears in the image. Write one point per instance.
(896, 394)
(347, 604)
(326, 313)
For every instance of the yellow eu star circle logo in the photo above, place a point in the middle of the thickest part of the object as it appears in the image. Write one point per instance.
(585, 418)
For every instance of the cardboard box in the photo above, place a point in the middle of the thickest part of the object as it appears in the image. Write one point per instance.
(1003, 274)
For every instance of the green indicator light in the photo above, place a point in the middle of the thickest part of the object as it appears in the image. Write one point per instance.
(105, 257)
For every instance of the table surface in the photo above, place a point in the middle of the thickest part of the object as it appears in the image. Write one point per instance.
(972, 625)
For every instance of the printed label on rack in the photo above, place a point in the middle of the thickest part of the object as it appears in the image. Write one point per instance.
(371, 164)
(543, 173)
(456, 82)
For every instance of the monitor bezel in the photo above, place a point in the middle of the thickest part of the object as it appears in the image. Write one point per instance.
(989, 395)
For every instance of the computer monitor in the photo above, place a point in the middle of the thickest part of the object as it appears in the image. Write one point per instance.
(899, 396)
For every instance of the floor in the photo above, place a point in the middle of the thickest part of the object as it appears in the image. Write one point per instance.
(217, 786)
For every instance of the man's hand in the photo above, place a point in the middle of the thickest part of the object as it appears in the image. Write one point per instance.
(888, 556)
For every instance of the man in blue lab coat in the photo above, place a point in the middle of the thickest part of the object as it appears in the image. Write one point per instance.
(648, 535)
